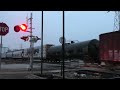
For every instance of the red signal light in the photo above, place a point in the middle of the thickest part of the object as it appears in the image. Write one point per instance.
(17, 28)
(23, 27)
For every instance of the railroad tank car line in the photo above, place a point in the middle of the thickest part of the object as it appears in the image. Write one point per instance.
(75, 51)
(53, 53)
(48, 55)
(24, 54)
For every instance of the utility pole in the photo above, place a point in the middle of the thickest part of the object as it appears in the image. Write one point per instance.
(42, 43)
(63, 46)
(62, 41)
(1, 52)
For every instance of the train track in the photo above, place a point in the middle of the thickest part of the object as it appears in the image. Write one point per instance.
(74, 70)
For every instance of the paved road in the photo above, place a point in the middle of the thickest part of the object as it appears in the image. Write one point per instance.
(19, 75)
(17, 71)
(20, 71)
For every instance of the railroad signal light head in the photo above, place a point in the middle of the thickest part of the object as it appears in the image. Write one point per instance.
(16, 28)
(23, 27)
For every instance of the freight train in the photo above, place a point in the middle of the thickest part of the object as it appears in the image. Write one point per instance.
(24, 54)
(86, 50)
(106, 49)
(79, 50)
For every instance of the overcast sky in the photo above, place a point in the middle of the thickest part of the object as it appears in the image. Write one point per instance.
(79, 25)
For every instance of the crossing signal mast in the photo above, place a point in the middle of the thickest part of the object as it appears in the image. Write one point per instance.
(33, 39)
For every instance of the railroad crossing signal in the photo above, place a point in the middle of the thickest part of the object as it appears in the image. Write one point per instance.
(22, 27)
(17, 28)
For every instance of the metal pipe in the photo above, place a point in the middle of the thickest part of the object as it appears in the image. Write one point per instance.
(1, 52)
(63, 46)
(42, 43)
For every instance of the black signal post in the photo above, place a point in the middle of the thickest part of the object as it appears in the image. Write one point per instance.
(24, 27)
(1, 52)
(42, 44)
(63, 46)
(4, 29)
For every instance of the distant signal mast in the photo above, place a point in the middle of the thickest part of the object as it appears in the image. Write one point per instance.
(116, 21)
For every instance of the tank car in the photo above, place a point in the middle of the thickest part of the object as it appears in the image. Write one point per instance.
(3, 55)
(26, 54)
(36, 52)
(87, 51)
(9, 55)
(18, 54)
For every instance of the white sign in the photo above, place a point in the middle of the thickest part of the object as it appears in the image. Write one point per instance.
(34, 39)
(3, 29)
(61, 40)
